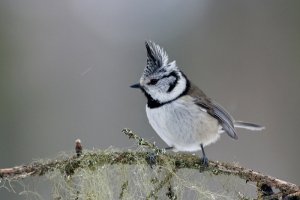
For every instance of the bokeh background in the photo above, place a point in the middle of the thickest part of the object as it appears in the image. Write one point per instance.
(66, 67)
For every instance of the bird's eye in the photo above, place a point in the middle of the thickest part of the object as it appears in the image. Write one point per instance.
(153, 81)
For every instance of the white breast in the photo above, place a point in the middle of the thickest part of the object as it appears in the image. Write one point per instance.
(183, 125)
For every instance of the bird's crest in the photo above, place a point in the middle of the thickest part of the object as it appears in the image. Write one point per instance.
(157, 58)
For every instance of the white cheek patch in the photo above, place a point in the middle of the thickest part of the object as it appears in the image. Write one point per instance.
(164, 96)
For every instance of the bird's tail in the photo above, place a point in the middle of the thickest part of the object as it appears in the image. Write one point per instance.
(248, 126)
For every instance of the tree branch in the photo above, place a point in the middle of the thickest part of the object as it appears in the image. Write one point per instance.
(179, 161)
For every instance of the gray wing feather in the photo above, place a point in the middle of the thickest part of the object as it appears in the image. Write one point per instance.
(224, 119)
(214, 109)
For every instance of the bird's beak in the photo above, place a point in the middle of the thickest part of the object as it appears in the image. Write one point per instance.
(136, 85)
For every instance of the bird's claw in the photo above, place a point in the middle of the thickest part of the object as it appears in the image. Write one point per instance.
(204, 163)
(151, 159)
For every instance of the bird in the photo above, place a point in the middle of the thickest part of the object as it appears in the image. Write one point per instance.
(179, 112)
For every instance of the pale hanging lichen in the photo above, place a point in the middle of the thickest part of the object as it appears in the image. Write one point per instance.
(145, 173)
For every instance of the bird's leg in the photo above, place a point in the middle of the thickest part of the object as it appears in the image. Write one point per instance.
(203, 160)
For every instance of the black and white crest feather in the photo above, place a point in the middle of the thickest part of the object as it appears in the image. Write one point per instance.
(156, 58)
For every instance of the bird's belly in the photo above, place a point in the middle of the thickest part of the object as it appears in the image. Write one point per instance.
(183, 125)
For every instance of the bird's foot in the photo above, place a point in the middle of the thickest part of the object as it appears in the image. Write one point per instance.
(204, 163)
(151, 159)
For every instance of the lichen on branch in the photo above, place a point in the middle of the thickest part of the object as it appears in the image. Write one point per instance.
(90, 174)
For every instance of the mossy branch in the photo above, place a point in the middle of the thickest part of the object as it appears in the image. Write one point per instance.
(93, 159)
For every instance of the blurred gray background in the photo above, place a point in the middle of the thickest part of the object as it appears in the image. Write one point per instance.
(66, 67)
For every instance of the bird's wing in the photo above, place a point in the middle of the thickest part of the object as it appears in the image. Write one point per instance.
(214, 109)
